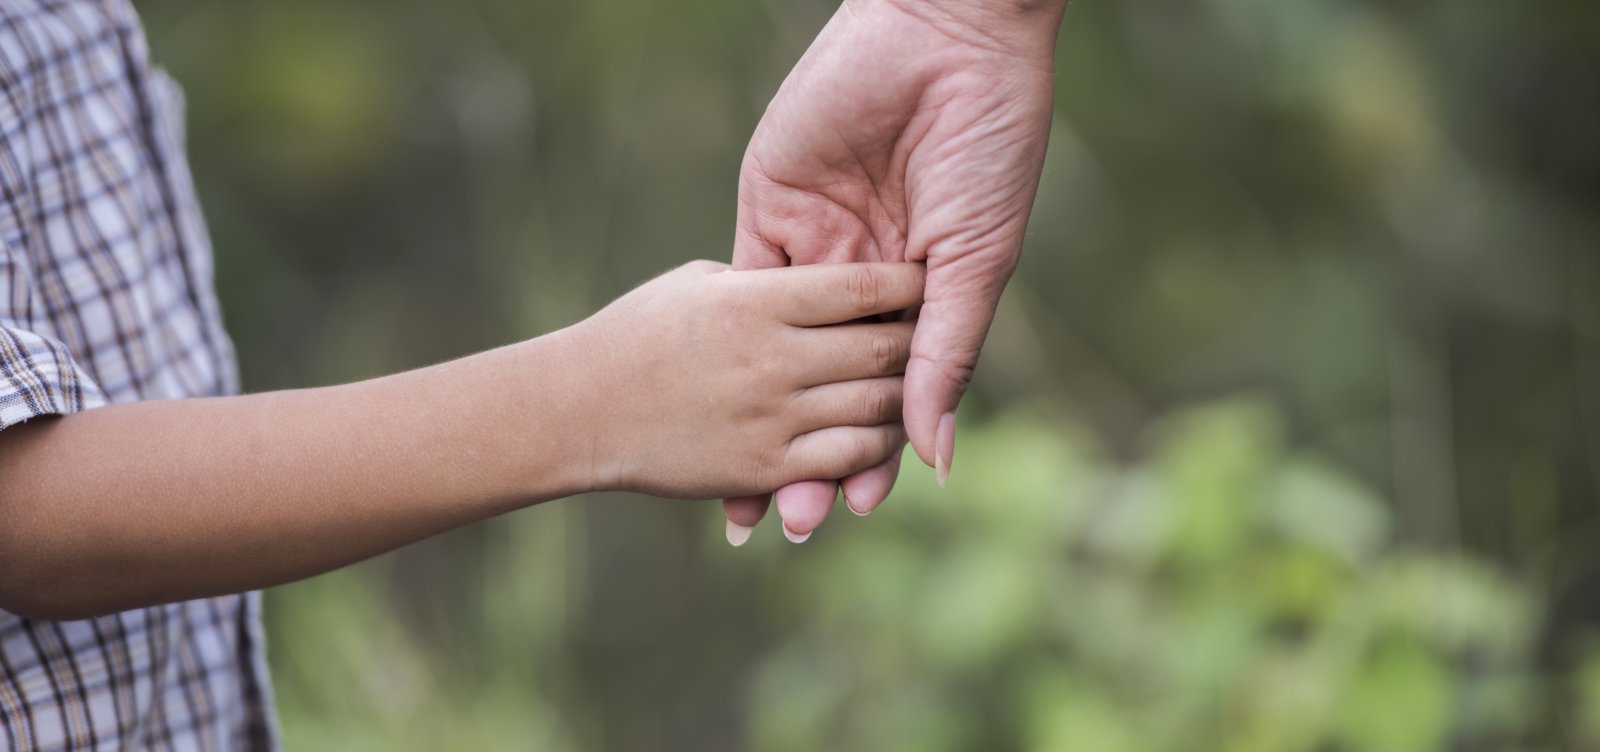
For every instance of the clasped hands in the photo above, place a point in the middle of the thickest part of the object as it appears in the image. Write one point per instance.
(911, 130)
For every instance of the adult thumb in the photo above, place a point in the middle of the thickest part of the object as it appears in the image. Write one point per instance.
(958, 306)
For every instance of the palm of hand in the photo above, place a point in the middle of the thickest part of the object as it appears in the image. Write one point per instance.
(895, 138)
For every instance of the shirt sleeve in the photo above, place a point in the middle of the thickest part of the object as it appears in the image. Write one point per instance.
(38, 376)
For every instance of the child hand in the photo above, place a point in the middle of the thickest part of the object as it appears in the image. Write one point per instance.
(715, 383)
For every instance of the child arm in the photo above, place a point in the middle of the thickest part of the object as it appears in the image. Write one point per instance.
(697, 384)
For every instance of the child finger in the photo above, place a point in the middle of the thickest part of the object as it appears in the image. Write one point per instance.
(854, 351)
(821, 294)
(804, 505)
(838, 451)
(867, 402)
(864, 491)
(743, 513)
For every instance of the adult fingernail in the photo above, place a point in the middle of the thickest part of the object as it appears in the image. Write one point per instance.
(738, 534)
(944, 447)
(795, 537)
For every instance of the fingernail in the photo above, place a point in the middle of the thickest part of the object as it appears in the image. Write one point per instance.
(944, 447)
(851, 505)
(738, 534)
(795, 537)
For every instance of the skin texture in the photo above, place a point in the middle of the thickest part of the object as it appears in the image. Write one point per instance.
(909, 130)
(698, 384)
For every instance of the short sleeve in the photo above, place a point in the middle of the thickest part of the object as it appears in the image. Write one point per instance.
(38, 376)
(38, 373)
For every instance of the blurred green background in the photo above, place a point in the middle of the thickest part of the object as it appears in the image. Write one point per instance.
(1287, 436)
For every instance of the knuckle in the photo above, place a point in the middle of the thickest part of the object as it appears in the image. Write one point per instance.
(865, 288)
(888, 352)
(767, 370)
(958, 375)
(961, 376)
(879, 402)
(861, 450)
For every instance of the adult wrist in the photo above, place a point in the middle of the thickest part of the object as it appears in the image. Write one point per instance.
(1023, 27)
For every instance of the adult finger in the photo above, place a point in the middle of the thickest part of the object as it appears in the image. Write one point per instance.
(753, 251)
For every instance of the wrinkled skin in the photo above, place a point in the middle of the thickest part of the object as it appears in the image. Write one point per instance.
(909, 130)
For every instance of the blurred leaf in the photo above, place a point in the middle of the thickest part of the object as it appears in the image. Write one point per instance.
(1212, 464)
(1067, 715)
(1311, 505)
(1399, 702)
(977, 604)
(1456, 604)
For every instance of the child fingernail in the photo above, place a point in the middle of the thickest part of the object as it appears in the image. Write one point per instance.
(852, 505)
(738, 534)
(795, 537)
(944, 447)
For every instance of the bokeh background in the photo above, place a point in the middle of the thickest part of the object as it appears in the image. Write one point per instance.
(1287, 436)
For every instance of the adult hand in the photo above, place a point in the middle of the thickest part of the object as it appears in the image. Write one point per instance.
(909, 130)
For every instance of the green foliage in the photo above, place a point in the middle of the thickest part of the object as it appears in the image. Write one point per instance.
(1269, 613)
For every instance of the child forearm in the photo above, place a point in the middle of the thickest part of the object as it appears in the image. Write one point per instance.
(144, 503)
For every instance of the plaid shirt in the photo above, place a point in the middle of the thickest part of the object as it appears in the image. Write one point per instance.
(105, 296)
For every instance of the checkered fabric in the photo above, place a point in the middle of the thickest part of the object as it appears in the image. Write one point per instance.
(105, 296)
